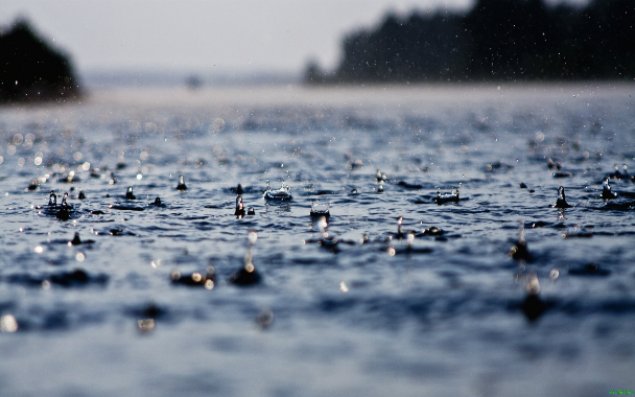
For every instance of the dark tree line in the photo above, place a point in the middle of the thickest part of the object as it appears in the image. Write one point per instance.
(31, 70)
(495, 40)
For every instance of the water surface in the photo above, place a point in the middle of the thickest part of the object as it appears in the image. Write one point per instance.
(439, 315)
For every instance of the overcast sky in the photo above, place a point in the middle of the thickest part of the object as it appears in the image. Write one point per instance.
(221, 35)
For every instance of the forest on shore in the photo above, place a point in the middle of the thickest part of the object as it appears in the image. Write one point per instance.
(496, 40)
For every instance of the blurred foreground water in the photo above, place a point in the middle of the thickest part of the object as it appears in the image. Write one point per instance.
(355, 306)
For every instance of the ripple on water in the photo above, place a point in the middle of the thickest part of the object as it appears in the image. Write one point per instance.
(68, 279)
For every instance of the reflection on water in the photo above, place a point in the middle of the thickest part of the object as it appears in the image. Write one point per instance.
(383, 262)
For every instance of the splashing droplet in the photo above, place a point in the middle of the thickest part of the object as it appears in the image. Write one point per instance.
(130, 194)
(181, 185)
(561, 202)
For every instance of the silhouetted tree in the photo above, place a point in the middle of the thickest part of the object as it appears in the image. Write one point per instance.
(30, 70)
(314, 73)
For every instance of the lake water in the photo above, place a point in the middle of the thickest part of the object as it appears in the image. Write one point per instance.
(366, 311)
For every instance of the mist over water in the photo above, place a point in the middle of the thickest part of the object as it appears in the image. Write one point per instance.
(355, 306)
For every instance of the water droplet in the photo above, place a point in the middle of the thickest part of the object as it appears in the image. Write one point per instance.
(8, 323)
(181, 185)
(561, 202)
(146, 325)
(539, 137)
(252, 237)
(209, 284)
(130, 194)
(533, 285)
(217, 125)
(554, 274)
(265, 318)
(18, 139)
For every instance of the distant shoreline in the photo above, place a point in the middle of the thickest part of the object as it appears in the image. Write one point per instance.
(245, 98)
(169, 79)
(333, 95)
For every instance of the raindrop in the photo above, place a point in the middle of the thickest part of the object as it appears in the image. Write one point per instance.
(561, 202)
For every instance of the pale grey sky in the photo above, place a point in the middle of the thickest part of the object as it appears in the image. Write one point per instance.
(221, 35)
